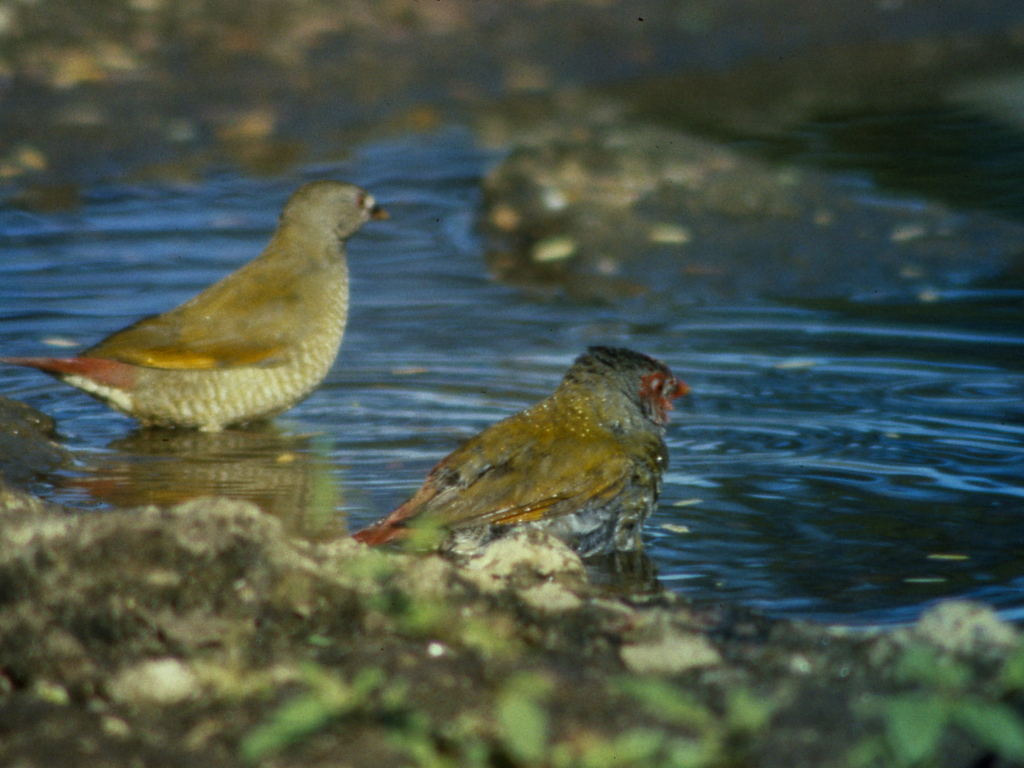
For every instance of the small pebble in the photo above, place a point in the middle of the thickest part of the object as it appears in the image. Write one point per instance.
(553, 249)
(158, 681)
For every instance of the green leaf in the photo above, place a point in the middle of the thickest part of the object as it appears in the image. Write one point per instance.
(328, 698)
(523, 724)
(1011, 676)
(748, 713)
(995, 725)
(913, 726)
(691, 753)
(667, 702)
(294, 720)
(923, 664)
(635, 747)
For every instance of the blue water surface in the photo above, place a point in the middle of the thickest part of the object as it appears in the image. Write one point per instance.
(848, 461)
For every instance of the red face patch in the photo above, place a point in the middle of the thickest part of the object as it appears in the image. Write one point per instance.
(657, 391)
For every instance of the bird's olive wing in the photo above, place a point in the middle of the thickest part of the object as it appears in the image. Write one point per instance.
(571, 476)
(154, 343)
(219, 328)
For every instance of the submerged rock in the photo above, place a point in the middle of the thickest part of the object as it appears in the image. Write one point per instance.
(593, 205)
(28, 446)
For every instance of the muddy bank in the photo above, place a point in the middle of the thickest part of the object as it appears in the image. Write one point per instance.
(201, 633)
(595, 205)
(165, 90)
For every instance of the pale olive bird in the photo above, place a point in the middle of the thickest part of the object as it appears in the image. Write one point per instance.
(248, 347)
(584, 464)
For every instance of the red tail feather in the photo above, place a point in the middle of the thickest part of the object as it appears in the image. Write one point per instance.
(378, 533)
(112, 373)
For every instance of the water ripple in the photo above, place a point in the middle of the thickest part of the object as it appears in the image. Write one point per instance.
(852, 461)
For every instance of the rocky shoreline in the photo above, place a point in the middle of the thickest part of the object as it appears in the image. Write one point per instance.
(203, 633)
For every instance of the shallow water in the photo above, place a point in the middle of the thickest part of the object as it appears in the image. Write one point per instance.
(848, 461)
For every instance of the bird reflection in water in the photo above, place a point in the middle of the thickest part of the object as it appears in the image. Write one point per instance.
(286, 475)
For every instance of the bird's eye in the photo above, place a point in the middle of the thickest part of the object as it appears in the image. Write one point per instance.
(652, 386)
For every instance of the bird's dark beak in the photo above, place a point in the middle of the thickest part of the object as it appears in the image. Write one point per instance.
(378, 213)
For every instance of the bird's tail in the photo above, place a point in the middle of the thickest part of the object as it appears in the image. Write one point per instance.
(380, 532)
(112, 373)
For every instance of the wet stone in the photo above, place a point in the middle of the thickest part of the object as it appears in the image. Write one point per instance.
(966, 627)
(158, 682)
(522, 557)
(28, 444)
(670, 654)
(597, 207)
